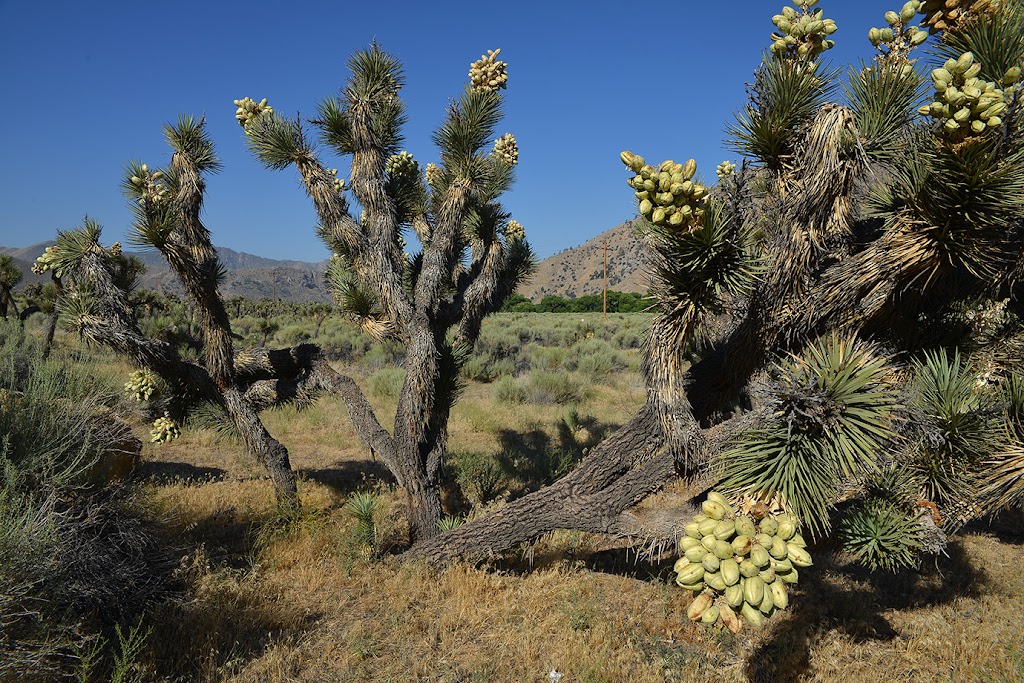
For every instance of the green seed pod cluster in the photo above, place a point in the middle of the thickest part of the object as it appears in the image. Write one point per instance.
(738, 565)
(965, 104)
(150, 188)
(164, 430)
(725, 170)
(402, 164)
(432, 173)
(45, 261)
(507, 149)
(804, 32)
(249, 109)
(667, 194)
(338, 183)
(141, 385)
(488, 73)
(899, 36)
(948, 15)
(515, 230)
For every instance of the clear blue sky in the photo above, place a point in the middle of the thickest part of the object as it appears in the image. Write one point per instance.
(86, 87)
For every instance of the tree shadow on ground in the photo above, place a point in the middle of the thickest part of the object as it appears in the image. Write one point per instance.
(163, 473)
(350, 476)
(836, 595)
(1007, 526)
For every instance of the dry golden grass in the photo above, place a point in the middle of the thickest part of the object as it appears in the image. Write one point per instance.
(308, 603)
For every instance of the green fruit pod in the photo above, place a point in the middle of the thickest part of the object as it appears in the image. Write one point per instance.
(676, 189)
(973, 71)
(650, 185)
(797, 540)
(752, 615)
(753, 590)
(799, 557)
(764, 540)
(723, 549)
(692, 587)
(787, 528)
(707, 527)
(745, 526)
(711, 563)
(918, 38)
(691, 574)
(725, 529)
(978, 126)
(996, 109)
(710, 615)
(767, 575)
(874, 37)
(741, 545)
(696, 554)
(719, 498)
(692, 529)
(665, 199)
(965, 62)
(749, 569)
(730, 571)
(714, 510)
(646, 207)
(908, 12)
(792, 576)
(886, 35)
(734, 594)
(779, 549)
(994, 121)
(949, 65)
(689, 168)
(715, 580)
(767, 602)
(759, 556)
(681, 564)
(658, 216)
(779, 594)
(768, 526)
(892, 18)
(646, 172)
(1011, 76)
(782, 566)
(709, 542)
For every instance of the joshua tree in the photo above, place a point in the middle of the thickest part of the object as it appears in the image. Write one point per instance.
(839, 320)
(10, 276)
(433, 301)
(98, 281)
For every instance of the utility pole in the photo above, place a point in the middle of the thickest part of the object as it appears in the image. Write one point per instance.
(605, 278)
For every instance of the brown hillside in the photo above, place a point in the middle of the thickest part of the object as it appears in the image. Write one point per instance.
(579, 271)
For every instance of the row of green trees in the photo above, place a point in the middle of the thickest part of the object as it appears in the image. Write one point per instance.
(617, 302)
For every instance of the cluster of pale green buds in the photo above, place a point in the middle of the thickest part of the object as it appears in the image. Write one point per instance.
(667, 194)
(338, 183)
(488, 73)
(507, 149)
(402, 165)
(432, 173)
(45, 260)
(249, 109)
(963, 102)
(115, 249)
(150, 187)
(898, 38)
(725, 169)
(804, 33)
(141, 385)
(164, 430)
(515, 230)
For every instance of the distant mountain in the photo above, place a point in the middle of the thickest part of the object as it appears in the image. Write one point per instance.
(580, 270)
(249, 276)
(570, 273)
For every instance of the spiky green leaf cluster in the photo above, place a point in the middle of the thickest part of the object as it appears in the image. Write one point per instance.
(881, 535)
(833, 412)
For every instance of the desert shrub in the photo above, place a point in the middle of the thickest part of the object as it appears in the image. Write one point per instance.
(73, 562)
(295, 333)
(387, 382)
(480, 475)
(509, 390)
(558, 387)
(548, 358)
